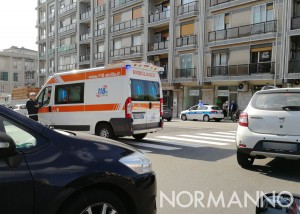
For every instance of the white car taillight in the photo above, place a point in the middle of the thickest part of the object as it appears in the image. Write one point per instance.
(243, 121)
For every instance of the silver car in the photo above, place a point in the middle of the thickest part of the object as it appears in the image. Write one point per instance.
(269, 126)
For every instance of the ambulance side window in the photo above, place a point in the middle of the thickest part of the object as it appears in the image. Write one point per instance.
(71, 93)
(44, 97)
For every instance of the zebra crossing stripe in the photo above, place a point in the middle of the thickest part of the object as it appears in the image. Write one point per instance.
(193, 145)
(216, 135)
(233, 131)
(154, 146)
(207, 138)
(144, 151)
(194, 141)
(226, 133)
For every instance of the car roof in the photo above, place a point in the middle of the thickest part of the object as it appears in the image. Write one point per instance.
(278, 90)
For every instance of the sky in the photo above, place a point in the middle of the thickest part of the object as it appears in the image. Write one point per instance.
(17, 23)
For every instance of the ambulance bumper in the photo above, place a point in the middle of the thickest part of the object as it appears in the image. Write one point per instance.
(147, 130)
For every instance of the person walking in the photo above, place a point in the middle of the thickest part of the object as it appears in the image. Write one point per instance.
(232, 108)
(32, 107)
(225, 108)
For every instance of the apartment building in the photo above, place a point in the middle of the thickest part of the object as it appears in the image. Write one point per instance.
(18, 68)
(212, 50)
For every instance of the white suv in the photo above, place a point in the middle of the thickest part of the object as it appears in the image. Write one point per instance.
(269, 126)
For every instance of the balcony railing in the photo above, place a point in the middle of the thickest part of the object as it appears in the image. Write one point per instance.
(85, 36)
(158, 46)
(157, 16)
(51, 52)
(126, 51)
(185, 73)
(85, 15)
(42, 1)
(295, 23)
(43, 37)
(116, 3)
(51, 70)
(65, 48)
(84, 58)
(51, 16)
(42, 71)
(42, 20)
(186, 40)
(187, 8)
(216, 2)
(42, 54)
(99, 56)
(294, 66)
(100, 9)
(241, 70)
(243, 31)
(127, 25)
(66, 67)
(67, 8)
(100, 32)
(67, 28)
(52, 34)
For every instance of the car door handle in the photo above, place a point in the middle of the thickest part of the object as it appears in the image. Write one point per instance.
(150, 105)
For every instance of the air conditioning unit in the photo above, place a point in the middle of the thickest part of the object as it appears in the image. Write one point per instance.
(243, 87)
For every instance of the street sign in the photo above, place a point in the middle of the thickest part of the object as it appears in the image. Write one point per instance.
(194, 93)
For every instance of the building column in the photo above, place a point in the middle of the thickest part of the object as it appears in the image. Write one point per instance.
(146, 31)
(172, 35)
(107, 33)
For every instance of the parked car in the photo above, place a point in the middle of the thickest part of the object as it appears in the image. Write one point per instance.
(203, 112)
(167, 113)
(268, 126)
(51, 171)
(20, 108)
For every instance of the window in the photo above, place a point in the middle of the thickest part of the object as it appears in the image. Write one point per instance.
(100, 2)
(220, 58)
(67, 94)
(4, 76)
(222, 21)
(117, 18)
(15, 77)
(1, 88)
(136, 40)
(187, 29)
(263, 13)
(142, 90)
(117, 44)
(186, 61)
(100, 48)
(137, 12)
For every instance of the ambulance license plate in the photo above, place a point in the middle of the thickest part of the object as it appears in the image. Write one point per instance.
(138, 116)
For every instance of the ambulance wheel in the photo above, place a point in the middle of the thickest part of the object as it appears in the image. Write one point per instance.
(139, 136)
(104, 130)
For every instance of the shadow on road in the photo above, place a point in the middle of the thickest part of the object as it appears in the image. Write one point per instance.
(185, 152)
(280, 168)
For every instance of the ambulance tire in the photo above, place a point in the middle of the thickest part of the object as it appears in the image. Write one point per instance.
(105, 130)
(139, 136)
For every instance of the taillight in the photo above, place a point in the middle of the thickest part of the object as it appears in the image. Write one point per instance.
(161, 106)
(128, 108)
(243, 121)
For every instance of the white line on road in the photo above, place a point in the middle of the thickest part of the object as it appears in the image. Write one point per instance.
(148, 145)
(144, 151)
(194, 141)
(206, 138)
(233, 131)
(193, 145)
(225, 133)
(216, 135)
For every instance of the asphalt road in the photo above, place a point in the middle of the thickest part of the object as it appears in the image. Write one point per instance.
(195, 163)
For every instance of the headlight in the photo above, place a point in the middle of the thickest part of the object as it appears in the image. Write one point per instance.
(137, 162)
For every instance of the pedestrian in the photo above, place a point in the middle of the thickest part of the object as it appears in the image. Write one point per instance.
(232, 108)
(225, 108)
(32, 107)
(200, 104)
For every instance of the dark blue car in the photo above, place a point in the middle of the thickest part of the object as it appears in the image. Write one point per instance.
(48, 171)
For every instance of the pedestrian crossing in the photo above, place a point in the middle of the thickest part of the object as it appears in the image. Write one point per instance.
(181, 141)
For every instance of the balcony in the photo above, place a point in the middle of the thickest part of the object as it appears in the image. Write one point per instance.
(51, 71)
(51, 16)
(42, 54)
(42, 20)
(243, 31)
(42, 1)
(100, 32)
(217, 2)
(67, 28)
(158, 16)
(242, 70)
(99, 56)
(295, 23)
(67, 8)
(51, 34)
(126, 51)
(100, 10)
(86, 15)
(42, 72)
(84, 58)
(186, 40)
(294, 66)
(186, 73)
(51, 52)
(187, 8)
(158, 46)
(66, 67)
(128, 25)
(85, 37)
(118, 3)
(66, 48)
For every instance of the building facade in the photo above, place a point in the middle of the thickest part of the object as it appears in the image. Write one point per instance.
(18, 68)
(212, 50)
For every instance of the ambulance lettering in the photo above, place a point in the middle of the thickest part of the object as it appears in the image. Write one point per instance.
(143, 73)
(102, 91)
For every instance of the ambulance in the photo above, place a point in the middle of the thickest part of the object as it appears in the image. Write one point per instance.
(123, 99)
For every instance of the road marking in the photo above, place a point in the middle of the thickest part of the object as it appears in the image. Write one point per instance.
(194, 141)
(144, 151)
(154, 146)
(233, 131)
(225, 133)
(206, 138)
(216, 135)
(174, 143)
